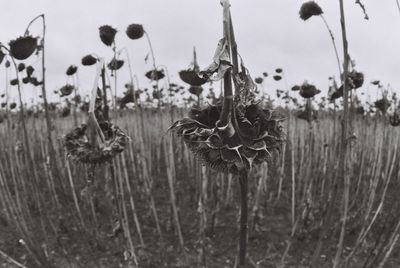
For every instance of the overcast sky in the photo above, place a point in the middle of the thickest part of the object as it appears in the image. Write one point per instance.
(269, 34)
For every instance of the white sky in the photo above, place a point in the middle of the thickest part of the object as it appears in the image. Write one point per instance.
(269, 34)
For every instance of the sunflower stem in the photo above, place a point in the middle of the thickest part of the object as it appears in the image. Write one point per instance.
(243, 181)
(343, 153)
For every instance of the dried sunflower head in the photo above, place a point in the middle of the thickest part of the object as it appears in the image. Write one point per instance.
(115, 64)
(23, 47)
(192, 77)
(107, 34)
(259, 80)
(80, 149)
(21, 67)
(308, 91)
(135, 31)
(224, 148)
(155, 74)
(66, 90)
(88, 60)
(309, 9)
(29, 70)
(71, 70)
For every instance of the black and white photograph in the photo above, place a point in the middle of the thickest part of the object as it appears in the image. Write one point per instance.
(200, 134)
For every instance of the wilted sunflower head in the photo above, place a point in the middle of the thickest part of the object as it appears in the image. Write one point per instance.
(308, 91)
(155, 75)
(14, 82)
(192, 78)
(309, 9)
(115, 64)
(21, 67)
(71, 70)
(258, 133)
(29, 70)
(259, 80)
(23, 47)
(88, 60)
(66, 90)
(107, 34)
(135, 31)
(79, 148)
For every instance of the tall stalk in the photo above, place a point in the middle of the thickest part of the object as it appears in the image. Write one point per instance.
(343, 151)
(52, 151)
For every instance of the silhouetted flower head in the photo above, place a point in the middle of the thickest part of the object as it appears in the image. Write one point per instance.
(308, 91)
(115, 64)
(71, 70)
(14, 82)
(296, 88)
(192, 78)
(309, 9)
(34, 81)
(88, 60)
(259, 80)
(107, 34)
(66, 90)
(29, 70)
(135, 31)
(155, 74)
(23, 47)
(13, 105)
(278, 70)
(277, 77)
(21, 67)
